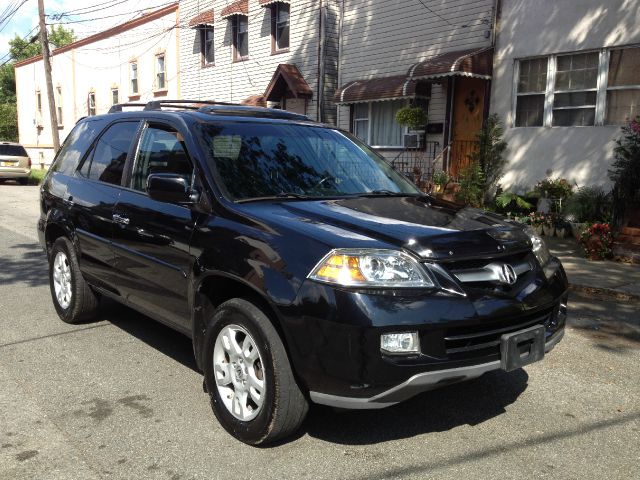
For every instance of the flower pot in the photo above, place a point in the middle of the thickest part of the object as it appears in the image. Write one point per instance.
(561, 232)
(537, 229)
(548, 230)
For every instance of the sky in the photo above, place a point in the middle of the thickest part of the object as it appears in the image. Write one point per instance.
(26, 17)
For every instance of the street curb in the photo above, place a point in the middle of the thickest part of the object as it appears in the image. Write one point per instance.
(609, 292)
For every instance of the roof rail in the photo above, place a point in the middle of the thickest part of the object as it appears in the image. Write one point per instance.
(118, 106)
(188, 104)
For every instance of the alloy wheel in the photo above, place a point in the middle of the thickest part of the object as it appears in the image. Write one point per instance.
(62, 281)
(239, 372)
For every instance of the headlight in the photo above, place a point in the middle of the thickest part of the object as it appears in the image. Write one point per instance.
(371, 268)
(539, 248)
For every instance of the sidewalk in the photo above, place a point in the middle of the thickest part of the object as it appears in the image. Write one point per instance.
(606, 275)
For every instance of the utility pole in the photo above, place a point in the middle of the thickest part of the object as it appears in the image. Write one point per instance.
(44, 41)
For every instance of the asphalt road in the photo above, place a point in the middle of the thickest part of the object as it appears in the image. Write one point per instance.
(120, 398)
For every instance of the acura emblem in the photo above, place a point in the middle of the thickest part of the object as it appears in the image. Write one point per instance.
(507, 275)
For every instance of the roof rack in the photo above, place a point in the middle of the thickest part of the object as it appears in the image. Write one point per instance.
(158, 104)
(210, 106)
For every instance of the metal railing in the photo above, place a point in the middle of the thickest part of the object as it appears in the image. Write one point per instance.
(418, 164)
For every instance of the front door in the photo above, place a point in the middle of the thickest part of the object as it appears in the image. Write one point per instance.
(468, 109)
(151, 238)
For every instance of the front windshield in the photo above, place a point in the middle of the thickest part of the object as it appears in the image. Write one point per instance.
(257, 160)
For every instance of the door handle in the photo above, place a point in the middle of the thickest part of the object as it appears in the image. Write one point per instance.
(122, 220)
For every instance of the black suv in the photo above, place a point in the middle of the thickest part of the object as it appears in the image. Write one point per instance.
(301, 264)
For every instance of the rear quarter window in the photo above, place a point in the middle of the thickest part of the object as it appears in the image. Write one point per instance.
(12, 151)
(75, 146)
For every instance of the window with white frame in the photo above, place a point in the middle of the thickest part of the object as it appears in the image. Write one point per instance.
(39, 102)
(578, 89)
(58, 101)
(375, 123)
(115, 96)
(532, 83)
(206, 45)
(575, 90)
(133, 78)
(623, 86)
(91, 104)
(160, 73)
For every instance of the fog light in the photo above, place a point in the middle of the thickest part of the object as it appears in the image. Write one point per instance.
(400, 342)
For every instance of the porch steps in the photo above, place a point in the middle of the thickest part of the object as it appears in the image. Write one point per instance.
(627, 244)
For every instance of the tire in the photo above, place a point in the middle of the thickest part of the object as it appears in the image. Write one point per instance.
(259, 355)
(23, 181)
(72, 297)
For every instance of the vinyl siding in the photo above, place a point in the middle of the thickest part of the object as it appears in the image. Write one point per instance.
(235, 81)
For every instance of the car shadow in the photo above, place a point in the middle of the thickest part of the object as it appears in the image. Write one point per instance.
(30, 267)
(467, 403)
(164, 339)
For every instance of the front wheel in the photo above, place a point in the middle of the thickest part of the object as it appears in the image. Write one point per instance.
(253, 392)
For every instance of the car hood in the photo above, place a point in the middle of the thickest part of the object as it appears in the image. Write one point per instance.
(430, 228)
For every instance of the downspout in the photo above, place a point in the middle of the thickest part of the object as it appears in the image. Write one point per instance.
(321, 49)
(340, 27)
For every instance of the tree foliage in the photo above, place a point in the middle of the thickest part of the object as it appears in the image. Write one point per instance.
(7, 84)
(625, 171)
(21, 49)
(489, 155)
(8, 122)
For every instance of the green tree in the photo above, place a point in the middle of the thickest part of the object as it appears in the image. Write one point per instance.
(489, 156)
(7, 84)
(21, 49)
(625, 171)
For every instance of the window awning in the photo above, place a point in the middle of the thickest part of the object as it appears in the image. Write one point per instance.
(241, 7)
(471, 63)
(203, 18)
(287, 81)
(381, 88)
(264, 3)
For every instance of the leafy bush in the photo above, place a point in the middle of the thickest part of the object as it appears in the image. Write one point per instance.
(508, 199)
(558, 188)
(625, 171)
(36, 176)
(588, 204)
(597, 241)
(489, 155)
(472, 184)
(414, 118)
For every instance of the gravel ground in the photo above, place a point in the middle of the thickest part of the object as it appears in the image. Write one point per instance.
(120, 398)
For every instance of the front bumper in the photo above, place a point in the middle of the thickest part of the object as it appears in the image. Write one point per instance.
(419, 383)
(333, 336)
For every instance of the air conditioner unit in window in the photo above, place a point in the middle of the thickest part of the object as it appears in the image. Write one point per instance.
(412, 140)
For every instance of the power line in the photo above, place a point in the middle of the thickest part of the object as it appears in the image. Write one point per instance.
(5, 20)
(436, 14)
(109, 16)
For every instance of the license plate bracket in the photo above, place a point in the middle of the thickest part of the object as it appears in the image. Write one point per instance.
(521, 348)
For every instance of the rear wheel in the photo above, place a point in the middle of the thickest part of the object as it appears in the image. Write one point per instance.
(253, 392)
(23, 181)
(72, 297)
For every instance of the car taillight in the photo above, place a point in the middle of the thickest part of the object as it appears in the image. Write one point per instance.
(29, 163)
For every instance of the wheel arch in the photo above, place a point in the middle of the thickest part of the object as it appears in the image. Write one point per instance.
(214, 289)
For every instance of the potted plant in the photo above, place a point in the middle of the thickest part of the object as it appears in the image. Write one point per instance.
(536, 221)
(548, 225)
(440, 181)
(597, 241)
(563, 228)
(414, 118)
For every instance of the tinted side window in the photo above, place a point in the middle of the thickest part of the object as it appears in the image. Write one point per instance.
(75, 146)
(106, 163)
(13, 150)
(161, 151)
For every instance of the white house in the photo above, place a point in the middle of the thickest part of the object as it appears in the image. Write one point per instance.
(135, 61)
(282, 53)
(566, 76)
(434, 54)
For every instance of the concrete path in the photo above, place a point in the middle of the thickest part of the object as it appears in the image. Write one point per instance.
(607, 275)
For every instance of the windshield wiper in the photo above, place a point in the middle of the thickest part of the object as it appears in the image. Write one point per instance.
(277, 196)
(385, 193)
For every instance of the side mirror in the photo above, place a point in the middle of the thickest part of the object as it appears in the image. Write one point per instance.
(170, 188)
